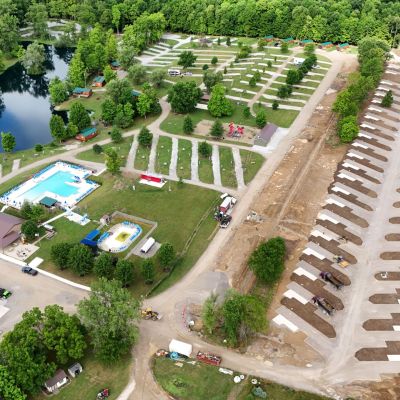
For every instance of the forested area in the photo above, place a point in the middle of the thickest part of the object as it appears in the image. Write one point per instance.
(320, 20)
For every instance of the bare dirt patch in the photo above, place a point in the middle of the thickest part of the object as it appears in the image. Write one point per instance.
(390, 255)
(392, 237)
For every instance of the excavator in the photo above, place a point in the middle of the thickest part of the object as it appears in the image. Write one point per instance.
(148, 313)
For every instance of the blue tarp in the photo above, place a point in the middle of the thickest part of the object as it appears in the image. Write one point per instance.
(88, 242)
(92, 235)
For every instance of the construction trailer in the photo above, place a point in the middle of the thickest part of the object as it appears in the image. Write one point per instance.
(176, 346)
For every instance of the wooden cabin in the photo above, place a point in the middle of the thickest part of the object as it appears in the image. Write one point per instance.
(115, 65)
(86, 134)
(325, 45)
(82, 92)
(99, 81)
(342, 46)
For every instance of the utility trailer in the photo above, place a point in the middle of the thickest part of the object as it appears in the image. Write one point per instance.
(323, 304)
(328, 277)
(209, 358)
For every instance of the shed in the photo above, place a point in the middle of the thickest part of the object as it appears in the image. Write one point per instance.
(82, 92)
(86, 134)
(59, 379)
(288, 40)
(115, 65)
(269, 38)
(342, 46)
(10, 228)
(48, 202)
(99, 81)
(265, 135)
(306, 41)
(75, 369)
(325, 45)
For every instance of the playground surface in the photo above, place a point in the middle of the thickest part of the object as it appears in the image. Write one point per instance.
(63, 182)
(119, 237)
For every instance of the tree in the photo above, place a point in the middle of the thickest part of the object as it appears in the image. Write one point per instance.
(79, 116)
(261, 44)
(242, 316)
(292, 77)
(348, 129)
(275, 104)
(214, 60)
(210, 79)
(120, 91)
(113, 162)
(209, 313)
(268, 260)
(104, 266)
(284, 91)
(29, 229)
(109, 74)
(108, 111)
(205, 149)
(116, 16)
(137, 73)
(116, 135)
(184, 97)
(217, 129)
(284, 48)
(37, 15)
(261, 118)
(225, 70)
(9, 32)
(76, 71)
(63, 334)
(71, 130)
(34, 58)
(187, 59)
(246, 112)
(387, 100)
(124, 272)
(219, 105)
(228, 41)
(145, 137)
(148, 101)
(157, 77)
(57, 128)
(188, 127)
(204, 67)
(345, 105)
(166, 255)
(126, 56)
(252, 82)
(59, 254)
(8, 388)
(58, 91)
(80, 259)
(8, 141)
(118, 312)
(97, 149)
(257, 76)
(309, 49)
(38, 148)
(148, 272)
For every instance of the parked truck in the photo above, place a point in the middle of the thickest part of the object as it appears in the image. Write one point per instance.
(209, 358)
(328, 277)
(223, 212)
(323, 304)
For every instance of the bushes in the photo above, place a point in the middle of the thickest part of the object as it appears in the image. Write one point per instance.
(387, 100)
(30, 229)
(348, 129)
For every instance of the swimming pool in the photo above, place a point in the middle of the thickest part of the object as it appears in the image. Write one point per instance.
(64, 182)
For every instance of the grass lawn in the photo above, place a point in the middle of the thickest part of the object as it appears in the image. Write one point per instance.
(142, 158)
(227, 167)
(283, 118)
(184, 168)
(8, 62)
(192, 382)
(174, 122)
(92, 103)
(163, 160)
(95, 377)
(205, 170)
(121, 148)
(251, 163)
(277, 392)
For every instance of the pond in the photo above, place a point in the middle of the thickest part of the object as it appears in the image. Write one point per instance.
(25, 108)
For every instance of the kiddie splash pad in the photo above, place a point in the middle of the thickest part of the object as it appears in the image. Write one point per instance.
(119, 237)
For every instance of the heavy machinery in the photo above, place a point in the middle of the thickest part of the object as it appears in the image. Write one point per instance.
(4, 293)
(209, 358)
(148, 313)
(323, 304)
(328, 277)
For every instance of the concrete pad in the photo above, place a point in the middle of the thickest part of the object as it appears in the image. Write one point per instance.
(301, 271)
(282, 321)
(292, 294)
(310, 252)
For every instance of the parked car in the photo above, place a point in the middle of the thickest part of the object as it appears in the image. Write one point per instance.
(4, 293)
(29, 270)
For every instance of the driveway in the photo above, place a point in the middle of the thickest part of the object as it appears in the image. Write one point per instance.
(32, 291)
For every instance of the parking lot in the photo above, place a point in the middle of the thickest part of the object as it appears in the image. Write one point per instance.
(32, 291)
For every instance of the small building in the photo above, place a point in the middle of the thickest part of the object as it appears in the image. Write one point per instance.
(87, 134)
(75, 369)
(10, 228)
(265, 135)
(59, 379)
(82, 92)
(269, 38)
(325, 45)
(306, 41)
(48, 202)
(115, 65)
(99, 81)
(288, 40)
(298, 61)
(342, 46)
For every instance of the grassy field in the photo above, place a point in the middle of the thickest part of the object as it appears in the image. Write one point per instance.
(142, 158)
(92, 103)
(95, 377)
(205, 170)
(192, 382)
(251, 163)
(184, 168)
(282, 118)
(121, 148)
(163, 160)
(227, 167)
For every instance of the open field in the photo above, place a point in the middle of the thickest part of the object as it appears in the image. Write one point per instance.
(184, 159)
(227, 167)
(251, 163)
(205, 170)
(142, 158)
(163, 159)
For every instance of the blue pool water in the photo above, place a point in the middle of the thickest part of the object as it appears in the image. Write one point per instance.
(56, 184)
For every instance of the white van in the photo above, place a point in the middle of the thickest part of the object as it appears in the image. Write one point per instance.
(174, 72)
(148, 245)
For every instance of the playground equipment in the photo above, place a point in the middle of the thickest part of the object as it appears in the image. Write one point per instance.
(328, 277)
(323, 304)
(235, 132)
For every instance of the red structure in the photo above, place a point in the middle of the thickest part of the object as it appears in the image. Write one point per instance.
(209, 358)
(151, 178)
